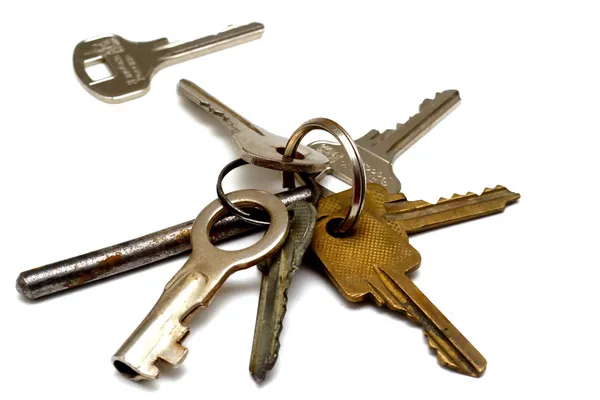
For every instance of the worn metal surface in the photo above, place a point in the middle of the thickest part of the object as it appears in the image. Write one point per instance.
(277, 277)
(161, 333)
(136, 253)
(379, 150)
(133, 64)
(373, 262)
(254, 144)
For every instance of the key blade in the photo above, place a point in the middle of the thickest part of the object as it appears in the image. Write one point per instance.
(254, 144)
(452, 348)
(390, 144)
(276, 280)
(234, 121)
(419, 216)
(174, 53)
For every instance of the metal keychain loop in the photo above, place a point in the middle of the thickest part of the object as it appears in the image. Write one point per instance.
(359, 179)
(244, 215)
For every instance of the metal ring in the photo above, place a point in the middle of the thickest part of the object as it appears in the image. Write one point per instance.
(243, 215)
(359, 179)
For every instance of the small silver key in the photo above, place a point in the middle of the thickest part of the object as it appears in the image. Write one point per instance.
(133, 64)
(380, 150)
(160, 334)
(277, 277)
(254, 144)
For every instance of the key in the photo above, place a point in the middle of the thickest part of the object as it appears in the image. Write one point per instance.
(136, 253)
(407, 217)
(161, 333)
(254, 144)
(419, 216)
(372, 262)
(277, 277)
(380, 150)
(133, 64)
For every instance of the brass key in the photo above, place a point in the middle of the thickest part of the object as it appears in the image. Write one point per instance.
(406, 217)
(373, 260)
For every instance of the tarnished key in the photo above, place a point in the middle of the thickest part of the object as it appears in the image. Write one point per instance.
(277, 277)
(417, 215)
(372, 263)
(380, 150)
(161, 333)
(136, 253)
(407, 217)
(133, 64)
(254, 144)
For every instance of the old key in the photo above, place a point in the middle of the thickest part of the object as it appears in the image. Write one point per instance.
(255, 145)
(160, 334)
(374, 260)
(277, 277)
(380, 150)
(133, 64)
(376, 257)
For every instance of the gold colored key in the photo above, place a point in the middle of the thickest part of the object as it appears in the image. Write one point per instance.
(374, 260)
(388, 285)
(418, 215)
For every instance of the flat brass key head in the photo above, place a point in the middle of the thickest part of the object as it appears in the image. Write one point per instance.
(132, 64)
(351, 261)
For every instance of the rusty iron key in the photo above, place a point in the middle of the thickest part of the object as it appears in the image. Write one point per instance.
(143, 251)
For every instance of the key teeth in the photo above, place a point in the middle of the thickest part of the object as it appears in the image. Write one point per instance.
(497, 188)
(445, 360)
(449, 93)
(175, 354)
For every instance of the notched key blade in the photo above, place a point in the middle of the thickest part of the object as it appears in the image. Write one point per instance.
(419, 215)
(453, 350)
(275, 282)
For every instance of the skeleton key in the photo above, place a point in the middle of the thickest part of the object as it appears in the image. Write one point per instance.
(134, 63)
(372, 262)
(160, 334)
(380, 150)
(254, 144)
(277, 277)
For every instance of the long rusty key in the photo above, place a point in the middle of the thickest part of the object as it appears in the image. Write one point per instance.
(407, 217)
(160, 334)
(133, 64)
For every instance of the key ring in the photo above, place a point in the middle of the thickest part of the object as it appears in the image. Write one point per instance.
(358, 168)
(244, 215)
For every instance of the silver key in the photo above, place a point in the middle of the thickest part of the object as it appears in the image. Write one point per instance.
(134, 63)
(254, 144)
(380, 150)
(160, 334)
(277, 277)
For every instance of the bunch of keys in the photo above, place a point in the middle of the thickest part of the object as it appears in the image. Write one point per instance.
(360, 237)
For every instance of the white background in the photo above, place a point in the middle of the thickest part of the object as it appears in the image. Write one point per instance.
(78, 175)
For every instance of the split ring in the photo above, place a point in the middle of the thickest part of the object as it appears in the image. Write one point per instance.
(359, 176)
